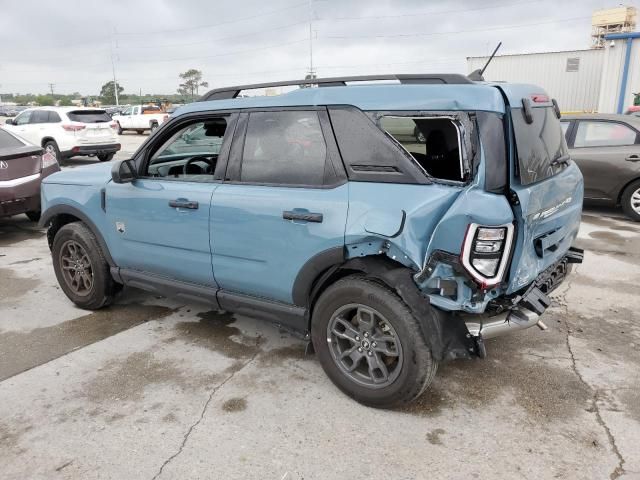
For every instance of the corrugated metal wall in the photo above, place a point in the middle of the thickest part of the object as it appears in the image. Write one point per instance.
(612, 68)
(574, 90)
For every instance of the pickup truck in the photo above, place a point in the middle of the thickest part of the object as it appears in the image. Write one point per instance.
(140, 118)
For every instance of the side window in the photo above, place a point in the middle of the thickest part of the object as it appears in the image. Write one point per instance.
(604, 134)
(285, 148)
(53, 117)
(190, 154)
(39, 116)
(127, 111)
(433, 142)
(23, 118)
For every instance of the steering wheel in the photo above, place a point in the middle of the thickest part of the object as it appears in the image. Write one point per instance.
(206, 160)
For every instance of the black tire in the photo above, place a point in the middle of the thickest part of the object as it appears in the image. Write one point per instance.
(34, 216)
(105, 157)
(120, 130)
(413, 374)
(139, 132)
(102, 288)
(154, 126)
(50, 146)
(420, 138)
(630, 198)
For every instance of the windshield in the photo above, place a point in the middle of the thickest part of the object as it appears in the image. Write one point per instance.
(541, 147)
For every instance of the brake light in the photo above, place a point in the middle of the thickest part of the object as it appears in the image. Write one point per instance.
(73, 128)
(485, 253)
(114, 125)
(48, 160)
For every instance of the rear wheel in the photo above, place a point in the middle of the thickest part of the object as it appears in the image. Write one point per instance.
(120, 130)
(420, 138)
(154, 127)
(139, 132)
(105, 157)
(34, 216)
(631, 201)
(370, 345)
(80, 267)
(51, 147)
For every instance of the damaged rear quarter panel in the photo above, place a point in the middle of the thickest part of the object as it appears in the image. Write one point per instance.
(380, 216)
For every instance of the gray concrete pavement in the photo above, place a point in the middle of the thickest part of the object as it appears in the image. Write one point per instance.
(154, 388)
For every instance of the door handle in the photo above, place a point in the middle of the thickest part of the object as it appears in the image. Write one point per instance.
(302, 216)
(183, 203)
(633, 158)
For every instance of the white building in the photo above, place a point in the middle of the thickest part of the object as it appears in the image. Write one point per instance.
(596, 80)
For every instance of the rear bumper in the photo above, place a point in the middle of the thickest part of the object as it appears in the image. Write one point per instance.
(92, 149)
(525, 309)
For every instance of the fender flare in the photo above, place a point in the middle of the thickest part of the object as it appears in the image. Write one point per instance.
(311, 271)
(50, 214)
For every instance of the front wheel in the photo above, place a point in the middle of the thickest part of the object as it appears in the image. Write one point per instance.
(80, 267)
(370, 345)
(631, 201)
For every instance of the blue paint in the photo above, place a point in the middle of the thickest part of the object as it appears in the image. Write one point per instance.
(629, 36)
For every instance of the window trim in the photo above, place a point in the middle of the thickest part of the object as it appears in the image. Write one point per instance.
(577, 123)
(332, 158)
(146, 151)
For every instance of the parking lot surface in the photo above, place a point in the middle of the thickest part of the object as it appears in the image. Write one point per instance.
(154, 388)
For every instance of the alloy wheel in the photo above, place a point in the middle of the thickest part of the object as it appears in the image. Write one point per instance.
(76, 268)
(50, 149)
(364, 345)
(635, 201)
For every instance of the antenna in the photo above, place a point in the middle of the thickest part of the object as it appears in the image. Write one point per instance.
(476, 75)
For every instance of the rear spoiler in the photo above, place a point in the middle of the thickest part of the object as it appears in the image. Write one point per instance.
(27, 150)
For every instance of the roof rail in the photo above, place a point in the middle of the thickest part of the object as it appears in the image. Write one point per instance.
(407, 78)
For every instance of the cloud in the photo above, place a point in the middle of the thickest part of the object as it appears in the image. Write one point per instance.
(70, 42)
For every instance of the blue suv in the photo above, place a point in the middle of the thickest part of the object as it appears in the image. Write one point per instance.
(394, 224)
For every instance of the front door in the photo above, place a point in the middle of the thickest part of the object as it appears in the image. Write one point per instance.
(606, 152)
(285, 201)
(159, 223)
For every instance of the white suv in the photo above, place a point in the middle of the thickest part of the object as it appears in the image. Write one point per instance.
(68, 131)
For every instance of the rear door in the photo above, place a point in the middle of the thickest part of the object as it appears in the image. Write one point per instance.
(284, 200)
(548, 187)
(608, 154)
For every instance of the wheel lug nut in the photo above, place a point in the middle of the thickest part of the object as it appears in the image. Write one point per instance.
(366, 335)
(374, 344)
(369, 353)
(357, 338)
(360, 349)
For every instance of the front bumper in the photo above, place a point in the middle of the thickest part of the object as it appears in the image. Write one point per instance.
(92, 149)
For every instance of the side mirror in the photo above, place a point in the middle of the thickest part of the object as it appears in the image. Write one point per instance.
(10, 121)
(124, 171)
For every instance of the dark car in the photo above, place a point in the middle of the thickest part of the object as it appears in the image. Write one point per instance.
(22, 168)
(607, 150)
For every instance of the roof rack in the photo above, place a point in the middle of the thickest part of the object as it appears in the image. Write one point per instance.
(408, 78)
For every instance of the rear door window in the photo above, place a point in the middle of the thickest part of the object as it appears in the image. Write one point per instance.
(284, 148)
(39, 116)
(89, 116)
(53, 117)
(604, 134)
(540, 145)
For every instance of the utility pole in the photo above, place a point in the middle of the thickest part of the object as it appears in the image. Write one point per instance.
(311, 74)
(113, 68)
(51, 85)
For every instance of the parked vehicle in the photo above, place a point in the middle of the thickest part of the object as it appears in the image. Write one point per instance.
(22, 168)
(140, 118)
(390, 256)
(607, 150)
(68, 131)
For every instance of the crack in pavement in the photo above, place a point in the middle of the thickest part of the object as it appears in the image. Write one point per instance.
(619, 470)
(204, 410)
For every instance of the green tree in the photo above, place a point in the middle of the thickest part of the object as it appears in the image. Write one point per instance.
(192, 81)
(108, 93)
(65, 102)
(44, 100)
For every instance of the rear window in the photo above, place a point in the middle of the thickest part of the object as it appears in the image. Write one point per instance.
(540, 145)
(9, 141)
(89, 116)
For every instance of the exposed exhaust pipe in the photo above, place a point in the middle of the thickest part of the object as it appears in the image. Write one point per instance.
(503, 323)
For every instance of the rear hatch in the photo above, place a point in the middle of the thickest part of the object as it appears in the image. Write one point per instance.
(18, 159)
(92, 126)
(548, 186)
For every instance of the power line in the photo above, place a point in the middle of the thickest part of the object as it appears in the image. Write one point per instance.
(428, 34)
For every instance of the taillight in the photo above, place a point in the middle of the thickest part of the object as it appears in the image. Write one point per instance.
(73, 128)
(48, 160)
(485, 252)
(114, 125)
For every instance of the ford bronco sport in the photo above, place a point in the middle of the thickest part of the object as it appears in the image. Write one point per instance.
(323, 211)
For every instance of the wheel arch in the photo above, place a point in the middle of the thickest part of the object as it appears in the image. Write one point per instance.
(47, 139)
(60, 215)
(624, 187)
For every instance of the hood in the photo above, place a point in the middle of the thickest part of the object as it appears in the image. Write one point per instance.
(98, 174)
